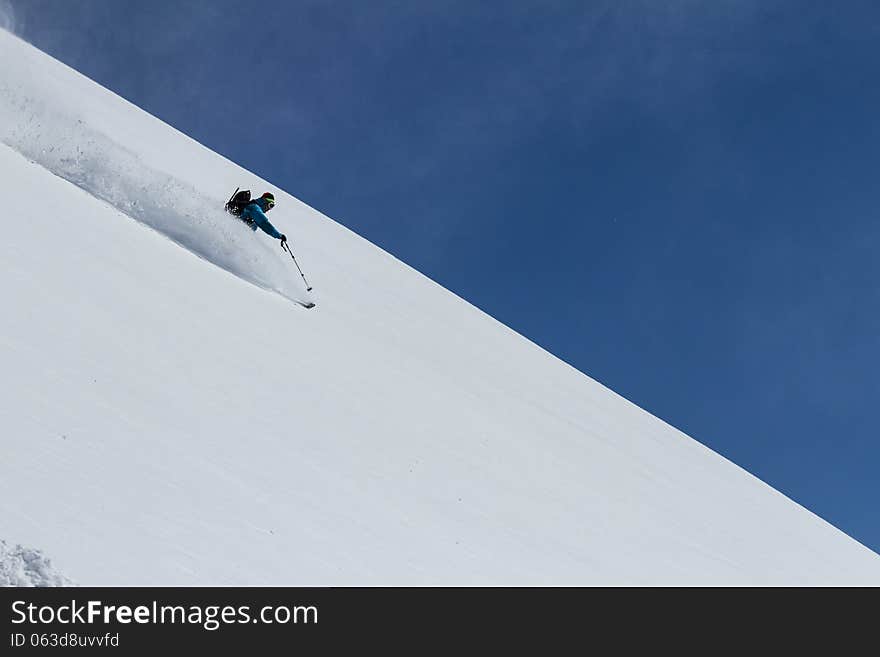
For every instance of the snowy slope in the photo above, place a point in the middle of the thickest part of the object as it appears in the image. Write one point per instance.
(168, 416)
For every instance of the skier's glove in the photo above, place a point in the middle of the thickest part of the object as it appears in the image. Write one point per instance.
(284, 239)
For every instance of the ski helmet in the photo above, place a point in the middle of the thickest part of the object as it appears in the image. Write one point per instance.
(270, 198)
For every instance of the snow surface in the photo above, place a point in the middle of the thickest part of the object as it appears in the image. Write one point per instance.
(168, 419)
(21, 566)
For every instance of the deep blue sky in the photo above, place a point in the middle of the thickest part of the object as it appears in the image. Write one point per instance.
(679, 198)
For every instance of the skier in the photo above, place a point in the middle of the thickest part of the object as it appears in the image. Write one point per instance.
(254, 214)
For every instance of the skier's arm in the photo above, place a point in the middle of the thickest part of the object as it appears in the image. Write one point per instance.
(270, 229)
(263, 222)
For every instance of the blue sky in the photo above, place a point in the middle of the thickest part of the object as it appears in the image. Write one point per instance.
(677, 198)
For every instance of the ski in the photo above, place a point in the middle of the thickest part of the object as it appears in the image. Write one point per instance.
(305, 304)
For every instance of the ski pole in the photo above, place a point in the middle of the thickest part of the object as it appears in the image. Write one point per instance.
(287, 248)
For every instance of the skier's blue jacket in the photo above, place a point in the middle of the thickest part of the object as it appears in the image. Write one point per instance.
(255, 211)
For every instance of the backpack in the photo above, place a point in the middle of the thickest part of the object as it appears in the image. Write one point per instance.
(238, 201)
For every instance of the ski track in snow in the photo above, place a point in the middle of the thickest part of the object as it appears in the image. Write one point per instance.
(23, 566)
(71, 149)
